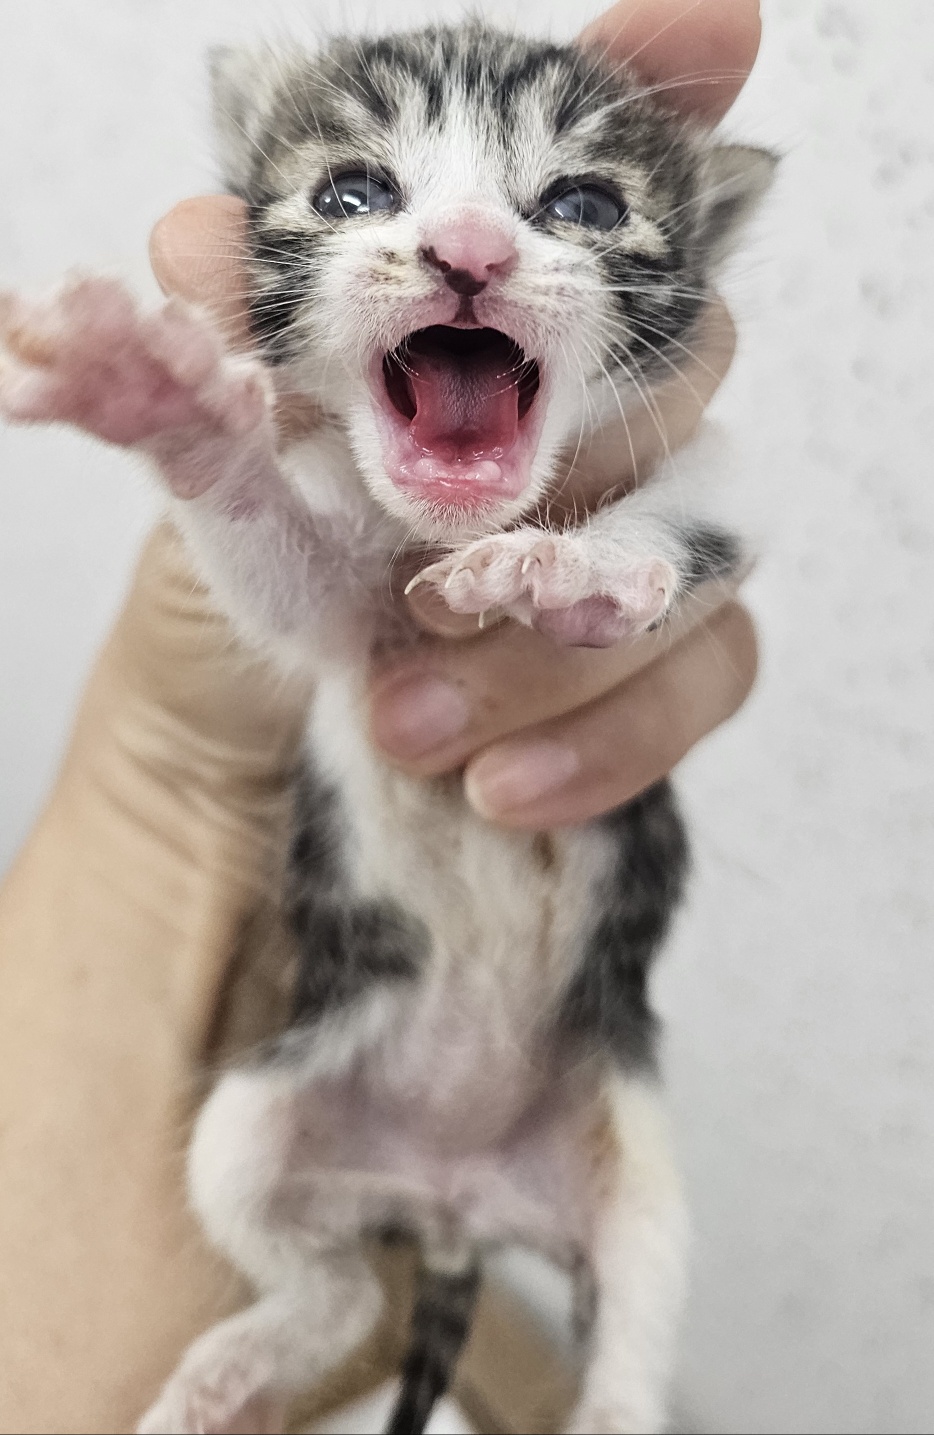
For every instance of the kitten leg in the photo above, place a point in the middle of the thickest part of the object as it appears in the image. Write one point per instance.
(612, 578)
(283, 1225)
(163, 385)
(238, 1378)
(637, 1259)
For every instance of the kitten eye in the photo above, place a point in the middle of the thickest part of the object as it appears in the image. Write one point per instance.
(587, 205)
(349, 195)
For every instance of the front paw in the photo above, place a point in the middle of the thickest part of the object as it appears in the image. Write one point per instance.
(89, 357)
(579, 591)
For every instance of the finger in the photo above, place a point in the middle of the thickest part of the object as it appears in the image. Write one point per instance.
(574, 768)
(196, 251)
(432, 614)
(699, 52)
(627, 454)
(445, 701)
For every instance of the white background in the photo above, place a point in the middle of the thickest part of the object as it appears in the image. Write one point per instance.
(799, 991)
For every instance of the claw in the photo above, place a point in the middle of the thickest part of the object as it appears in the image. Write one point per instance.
(416, 582)
(542, 554)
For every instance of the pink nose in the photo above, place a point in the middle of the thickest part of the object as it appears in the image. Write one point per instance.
(469, 249)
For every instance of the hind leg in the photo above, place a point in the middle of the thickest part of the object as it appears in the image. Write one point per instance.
(636, 1261)
(237, 1379)
(319, 1298)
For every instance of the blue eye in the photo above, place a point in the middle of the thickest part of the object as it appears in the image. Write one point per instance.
(587, 205)
(350, 195)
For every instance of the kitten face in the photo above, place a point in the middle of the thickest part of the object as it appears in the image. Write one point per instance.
(467, 246)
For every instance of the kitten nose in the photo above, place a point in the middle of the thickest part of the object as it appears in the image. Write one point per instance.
(469, 250)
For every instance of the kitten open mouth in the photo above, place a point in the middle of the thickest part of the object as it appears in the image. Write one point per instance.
(459, 415)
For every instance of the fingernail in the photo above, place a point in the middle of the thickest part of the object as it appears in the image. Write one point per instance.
(420, 716)
(501, 782)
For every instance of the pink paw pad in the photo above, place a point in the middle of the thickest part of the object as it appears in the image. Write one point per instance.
(592, 623)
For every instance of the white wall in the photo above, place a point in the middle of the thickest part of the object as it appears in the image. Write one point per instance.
(800, 987)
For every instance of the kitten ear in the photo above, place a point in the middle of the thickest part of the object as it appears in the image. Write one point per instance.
(734, 181)
(240, 92)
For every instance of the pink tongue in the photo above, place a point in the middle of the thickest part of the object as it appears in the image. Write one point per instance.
(464, 408)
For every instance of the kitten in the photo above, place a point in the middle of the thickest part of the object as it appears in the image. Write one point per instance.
(469, 249)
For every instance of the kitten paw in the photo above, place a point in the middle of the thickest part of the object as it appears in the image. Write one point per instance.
(218, 1407)
(89, 357)
(579, 591)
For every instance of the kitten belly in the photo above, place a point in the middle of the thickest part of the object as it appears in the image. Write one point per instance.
(465, 990)
(374, 1164)
(462, 1046)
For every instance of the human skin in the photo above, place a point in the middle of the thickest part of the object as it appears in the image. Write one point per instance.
(138, 940)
